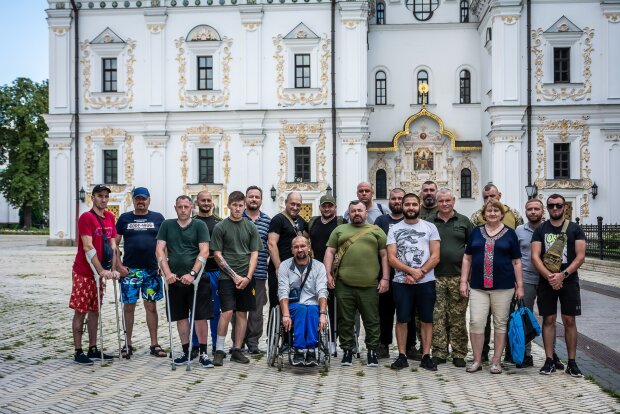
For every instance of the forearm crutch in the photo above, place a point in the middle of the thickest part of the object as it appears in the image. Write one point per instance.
(118, 326)
(203, 261)
(166, 287)
(335, 326)
(89, 258)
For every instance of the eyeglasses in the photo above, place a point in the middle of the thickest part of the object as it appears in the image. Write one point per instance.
(557, 206)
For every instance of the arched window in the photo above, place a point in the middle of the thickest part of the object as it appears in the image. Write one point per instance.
(465, 183)
(381, 184)
(423, 9)
(464, 11)
(380, 12)
(465, 86)
(380, 88)
(422, 78)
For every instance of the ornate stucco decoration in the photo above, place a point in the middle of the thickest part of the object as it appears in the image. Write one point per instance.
(381, 164)
(350, 23)
(563, 128)
(509, 20)
(107, 100)
(285, 96)
(466, 162)
(204, 98)
(301, 132)
(251, 26)
(155, 28)
(571, 91)
(613, 17)
(60, 31)
(110, 136)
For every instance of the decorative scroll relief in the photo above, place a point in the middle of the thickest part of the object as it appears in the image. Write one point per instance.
(550, 93)
(563, 127)
(350, 23)
(510, 20)
(60, 31)
(302, 132)
(466, 162)
(155, 28)
(251, 26)
(613, 17)
(115, 100)
(109, 136)
(204, 98)
(381, 164)
(301, 98)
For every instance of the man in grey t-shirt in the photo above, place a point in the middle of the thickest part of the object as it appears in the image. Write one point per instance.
(364, 194)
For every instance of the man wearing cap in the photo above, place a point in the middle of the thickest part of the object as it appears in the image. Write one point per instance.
(139, 266)
(95, 229)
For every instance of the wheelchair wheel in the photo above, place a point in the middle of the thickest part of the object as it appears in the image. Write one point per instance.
(280, 361)
(324, 341)
(273, 335)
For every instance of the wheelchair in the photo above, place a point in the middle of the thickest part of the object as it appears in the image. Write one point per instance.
(276, 347)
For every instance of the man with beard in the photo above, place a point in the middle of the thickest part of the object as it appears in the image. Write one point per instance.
(534, 213)
(319, 229)
(512, 218)
(562, 285)
(386, 299)
(204, 202)
(252, 212)
(357, 244)
(449, 325)
(139, 267)
(364, 195)
(283, 228)
(413, 251)
(302, 289)
(429, 200)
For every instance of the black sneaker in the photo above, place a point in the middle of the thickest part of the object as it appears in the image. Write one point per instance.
(237, 356)
(82, 359)
(438, 360)
(528, 361)
(459, 362)
(311, 359)
(557, 362)
(414, 353)
(205, 361)
(347, 358)
(548, 368)
(182, 360)
(400, 363)
(253, 350)
(95, 355)
(372, 359)
(573, 370)
(427, 363)
(194, 353)
(218, 358)
(299, 359)
(383, 351)
(508, 358)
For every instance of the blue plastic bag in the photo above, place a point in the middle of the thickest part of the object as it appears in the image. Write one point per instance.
(522, 329)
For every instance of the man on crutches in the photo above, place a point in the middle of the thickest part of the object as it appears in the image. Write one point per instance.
(96, 248)
(182, 250)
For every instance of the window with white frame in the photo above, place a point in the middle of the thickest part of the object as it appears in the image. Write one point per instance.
(110, 75)
(302, 70)
(206, 166)
(380, 88)
(205, 73)
(303, 170)
(465, 86)
(464, 7)
(108, 65)
(380, 12)
(422, 77)
(110, 166)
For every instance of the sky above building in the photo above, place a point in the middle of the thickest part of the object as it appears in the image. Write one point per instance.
(24, 49)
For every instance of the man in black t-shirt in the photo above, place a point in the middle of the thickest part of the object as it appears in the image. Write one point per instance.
(562, 285)
(138, 269)
(283, 228)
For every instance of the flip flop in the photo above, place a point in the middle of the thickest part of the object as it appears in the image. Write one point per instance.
(157, 351)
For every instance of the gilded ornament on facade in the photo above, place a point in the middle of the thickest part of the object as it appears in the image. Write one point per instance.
(210, 98)
(510, 19)
(155, 28)
(381, 164)
(613, 17)
(301, 98)
(60, 31)
(251, 26)
(350, 23)
(552, 93)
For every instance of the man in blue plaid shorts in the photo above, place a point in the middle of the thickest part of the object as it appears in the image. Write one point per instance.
(138, 269)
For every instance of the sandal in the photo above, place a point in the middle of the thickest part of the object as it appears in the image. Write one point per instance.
(475, 367)
(157, 351)
(495, 369)
(127, 352)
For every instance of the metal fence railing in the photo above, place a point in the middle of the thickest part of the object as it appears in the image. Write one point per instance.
(602, 240)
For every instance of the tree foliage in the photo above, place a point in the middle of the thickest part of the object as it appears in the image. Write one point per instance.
(24, 182)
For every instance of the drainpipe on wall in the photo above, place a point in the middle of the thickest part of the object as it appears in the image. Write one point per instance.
(333, 74)
(76, 114)
(529, 91)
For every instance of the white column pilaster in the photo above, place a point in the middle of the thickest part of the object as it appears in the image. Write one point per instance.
(251, 20)
(156, 25)
(156, 171)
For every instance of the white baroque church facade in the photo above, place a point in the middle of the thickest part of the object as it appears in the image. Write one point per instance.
(316, 96)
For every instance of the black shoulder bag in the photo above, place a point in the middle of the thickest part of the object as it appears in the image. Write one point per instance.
(295, 294)
(108, 254)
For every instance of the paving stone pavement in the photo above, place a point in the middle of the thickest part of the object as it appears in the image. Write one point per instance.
(37, 373)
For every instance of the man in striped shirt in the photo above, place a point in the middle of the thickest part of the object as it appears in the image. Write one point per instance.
(253, 202)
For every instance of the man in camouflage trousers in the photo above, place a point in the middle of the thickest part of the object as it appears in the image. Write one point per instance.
(449, 326)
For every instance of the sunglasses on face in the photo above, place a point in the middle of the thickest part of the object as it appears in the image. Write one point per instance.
(558, 206)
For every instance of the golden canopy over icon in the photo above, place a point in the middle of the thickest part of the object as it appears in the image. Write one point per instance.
(423, 89)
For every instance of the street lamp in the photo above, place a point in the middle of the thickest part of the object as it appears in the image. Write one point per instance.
(594, 190)
(82, 194)
(531, 191)
(273, 193)
(329, 190)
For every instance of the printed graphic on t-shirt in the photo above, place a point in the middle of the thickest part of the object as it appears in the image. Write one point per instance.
(140, 226)
(108, 232)
(550, 238)
(407, 251)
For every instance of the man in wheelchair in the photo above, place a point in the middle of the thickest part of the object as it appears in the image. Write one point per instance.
(302, 292)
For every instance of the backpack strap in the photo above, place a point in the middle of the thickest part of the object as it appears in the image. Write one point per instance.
(380, 207)
(311, 223)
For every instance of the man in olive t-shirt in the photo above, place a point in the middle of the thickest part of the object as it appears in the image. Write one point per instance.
(236, 244)
(356, 286)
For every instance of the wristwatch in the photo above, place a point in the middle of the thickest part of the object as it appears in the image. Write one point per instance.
(193, 273)
(566, 274)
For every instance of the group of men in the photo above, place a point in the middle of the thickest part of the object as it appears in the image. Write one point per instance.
(375, 262)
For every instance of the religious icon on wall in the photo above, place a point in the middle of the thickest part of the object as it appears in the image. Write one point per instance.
(423, 160)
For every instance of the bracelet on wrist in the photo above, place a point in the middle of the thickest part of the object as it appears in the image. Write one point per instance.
(286, 316)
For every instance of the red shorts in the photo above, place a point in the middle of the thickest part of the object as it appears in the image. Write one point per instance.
(84, 293)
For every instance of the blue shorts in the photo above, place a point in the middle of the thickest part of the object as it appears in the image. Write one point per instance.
(419, 297)
(147, 281)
